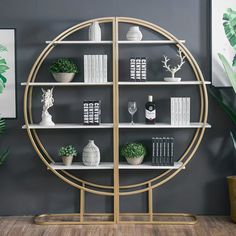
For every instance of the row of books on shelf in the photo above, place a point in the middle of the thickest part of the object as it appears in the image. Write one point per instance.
(180, 110)
(163, 151)
(95, 68)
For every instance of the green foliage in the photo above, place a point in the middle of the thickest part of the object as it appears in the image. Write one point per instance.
(63, 65)
(3, 69)
(133, 150)
(3, 154)
(67, 151)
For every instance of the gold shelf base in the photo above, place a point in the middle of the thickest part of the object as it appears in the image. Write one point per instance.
(108, 218)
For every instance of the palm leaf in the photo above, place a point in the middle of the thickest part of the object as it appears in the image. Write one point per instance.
(230, 26)
(2, 126)
(229, 71)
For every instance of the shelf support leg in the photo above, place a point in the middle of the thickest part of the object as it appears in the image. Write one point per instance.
(150, 202)
(82, 202)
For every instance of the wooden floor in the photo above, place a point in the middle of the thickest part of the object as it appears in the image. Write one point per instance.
(206, 226)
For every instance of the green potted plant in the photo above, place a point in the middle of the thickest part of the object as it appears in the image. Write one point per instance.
(63, 70)
(67, 154)
(134, 153)
(229, 24)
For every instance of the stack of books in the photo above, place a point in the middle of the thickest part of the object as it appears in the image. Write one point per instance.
(180, 111)
(138, 69)
(95, 68)
(92, 112)
(163, 151)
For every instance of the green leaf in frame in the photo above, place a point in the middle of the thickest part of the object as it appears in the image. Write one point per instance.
(3, 68)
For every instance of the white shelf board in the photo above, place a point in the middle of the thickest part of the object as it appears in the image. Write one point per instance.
(81, 42)
(149, 42)
(164, 83)
(81, 166)
(160, 126)
(109, 165)
(149, 166)
(70, 126)
(66, 84)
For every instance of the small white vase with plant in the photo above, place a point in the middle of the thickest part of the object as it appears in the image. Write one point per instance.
(67, 154)
(63, 70)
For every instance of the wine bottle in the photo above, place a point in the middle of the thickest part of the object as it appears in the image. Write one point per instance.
(150, 111)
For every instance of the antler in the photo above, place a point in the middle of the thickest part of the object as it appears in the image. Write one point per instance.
(165, 64)
(182, 57)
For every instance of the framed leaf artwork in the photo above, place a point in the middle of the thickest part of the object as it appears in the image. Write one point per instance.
(223, 22)
(7, 74)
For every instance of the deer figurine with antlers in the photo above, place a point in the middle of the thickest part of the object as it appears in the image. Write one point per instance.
(174, 69)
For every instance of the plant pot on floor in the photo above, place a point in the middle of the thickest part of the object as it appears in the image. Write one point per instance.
(135, 160)
(63, 77)
(232, 196)
(67, 160)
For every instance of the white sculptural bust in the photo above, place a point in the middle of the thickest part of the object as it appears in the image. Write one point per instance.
(47, 100)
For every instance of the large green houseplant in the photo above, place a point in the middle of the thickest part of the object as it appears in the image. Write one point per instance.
(229, 23)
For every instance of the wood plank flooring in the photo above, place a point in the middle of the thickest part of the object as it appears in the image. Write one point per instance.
(206, 226)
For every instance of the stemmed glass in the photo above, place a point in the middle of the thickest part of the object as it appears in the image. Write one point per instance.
(132, 108)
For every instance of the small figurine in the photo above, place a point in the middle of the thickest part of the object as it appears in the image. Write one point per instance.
(173, 70)
(47, 100)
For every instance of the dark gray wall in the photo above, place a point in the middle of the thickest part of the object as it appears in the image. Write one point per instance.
(27, 188)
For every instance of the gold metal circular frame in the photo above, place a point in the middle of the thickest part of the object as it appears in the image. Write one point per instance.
(115, 190)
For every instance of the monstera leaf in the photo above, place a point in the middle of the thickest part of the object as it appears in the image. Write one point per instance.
(230, 28)
(3, 69)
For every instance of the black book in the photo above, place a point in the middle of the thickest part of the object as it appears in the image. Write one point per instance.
(153, 151)
(157, 159)
(97, 112)
(164, 152)
(86, 112)
(171, 151)
(161, 163)
(168, 151)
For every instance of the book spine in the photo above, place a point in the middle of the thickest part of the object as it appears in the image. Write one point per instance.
(188, 110)
(184, 110)
(138, 69)
(172, 114)
(89, 57)
(161, 151)
(85, 69)
(97, 112)
(90, 113)
(86, 112)
(171, 151)
(164, 152)
(143, 68)
(93, 69)
(104, 68)
(180, 111)
(132, 68)
(157, 155)
(168, 151)
(176, 111)
(153, 151)
(96, 78)
(100, 68)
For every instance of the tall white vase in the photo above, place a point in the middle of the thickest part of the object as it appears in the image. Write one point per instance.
(95, 32)
(91, 154)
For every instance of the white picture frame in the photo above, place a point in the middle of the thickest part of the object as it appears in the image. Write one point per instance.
(8, 94)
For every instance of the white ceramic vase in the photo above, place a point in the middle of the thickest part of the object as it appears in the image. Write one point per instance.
(95, 32)
(135, 160)
(63, 77)
(91, 154)
(67, 160)
(134, 34)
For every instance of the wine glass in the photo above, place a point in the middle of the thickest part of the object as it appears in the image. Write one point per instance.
(132, 108)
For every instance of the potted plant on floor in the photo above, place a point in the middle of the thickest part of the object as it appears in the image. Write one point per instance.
(63, 70)
(67, 154)
(224, 101)
(134, 153)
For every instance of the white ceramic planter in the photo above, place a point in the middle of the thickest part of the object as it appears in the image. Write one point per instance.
(134, 34)
(67, 160)
(63, 77)
(91, 154)
(135, 160)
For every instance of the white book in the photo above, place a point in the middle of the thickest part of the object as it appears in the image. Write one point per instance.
(92, 69)
(172, 117)
(104, 68)
(96, 78)
(89, 61)
(184, 111)
(188, 111)
(176, 111)
(180, 111)
(100, 70)
(85, 68)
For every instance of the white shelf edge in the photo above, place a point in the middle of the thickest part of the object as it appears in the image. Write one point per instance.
(161, 126)
(66, 84)
(150, 42)
(164, 83)
(70, 126)
(109, 165)
(80, 42)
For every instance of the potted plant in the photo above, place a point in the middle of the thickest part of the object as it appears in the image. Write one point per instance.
(134, 153)
(67, 154)
(63, 70)
(225, 101)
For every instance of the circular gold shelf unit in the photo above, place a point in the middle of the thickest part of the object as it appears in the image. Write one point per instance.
(116, 190)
